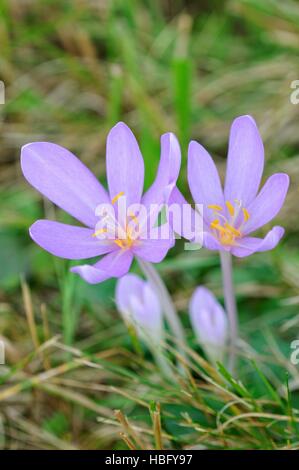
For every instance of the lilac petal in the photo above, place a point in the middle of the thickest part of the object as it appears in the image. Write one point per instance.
(245, 161)
(211, 243)
(168, 171)
(125, 167)
(268, 202)
(153, 251)
(114, 264)
(148, 314)
(204, 181)
(250, 245)
(189, 224)
(68, 241)
(152, 304)
(154, 248)
(138, 303)
(62, 178)
(208, 317)
(127, 286)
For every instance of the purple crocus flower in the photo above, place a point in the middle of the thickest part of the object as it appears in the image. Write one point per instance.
(140, 307)
(230, 216)
(209, 322)
(62, 178)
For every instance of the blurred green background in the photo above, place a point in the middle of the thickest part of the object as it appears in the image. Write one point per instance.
(71, 70)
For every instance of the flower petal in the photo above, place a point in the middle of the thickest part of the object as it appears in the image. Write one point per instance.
(149, 318)
(68, 241)
(154, 248)
(140, 306)
(128, 285)
(211, 243)
(204, 181)
(183, 219)
(114, 264)
(268, 202)
(153, 307)
(208, 318)
(125, 167)
(168, 171)
(245, 161)
(62, 178)
(250, 245)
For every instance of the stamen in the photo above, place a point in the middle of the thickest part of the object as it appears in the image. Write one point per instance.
(245, 214)
(214, 223)
(222, 229)
(123, 244)
(233, 230)
(215, 207)
(116, 198)
(224, 226)
(230, 208)
(133, 217)
(123, 237)
(119, 243)
(99, 232)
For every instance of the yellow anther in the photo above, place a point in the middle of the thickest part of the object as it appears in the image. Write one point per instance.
(116, 198)
(120, 243)
(133, 217)
(215, 207)
(233, 230)
(222, 229)
(230, 208)
(214, 223)
(128, 233)
(99, 232)
(125, 243)
(245, 214)
(225, 232)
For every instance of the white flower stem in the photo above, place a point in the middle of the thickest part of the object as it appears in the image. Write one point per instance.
(161, 361)
(230, 306)
(156, 350)
(167, 305)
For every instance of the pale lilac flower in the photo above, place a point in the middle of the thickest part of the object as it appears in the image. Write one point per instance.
(230, 216)
(140, 307)
(209, 322)
(62, 178)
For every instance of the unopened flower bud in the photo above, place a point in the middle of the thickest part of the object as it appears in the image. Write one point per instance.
(140, 307)
(209, 322)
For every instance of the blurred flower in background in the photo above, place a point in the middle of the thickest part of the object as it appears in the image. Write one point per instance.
(140, 307)
(209, 322)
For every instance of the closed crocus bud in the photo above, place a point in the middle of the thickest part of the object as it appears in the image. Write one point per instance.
(209, 322)
(139, 305)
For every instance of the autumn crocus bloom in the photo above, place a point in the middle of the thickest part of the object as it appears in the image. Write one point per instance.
(230, 216)
(139, 305)
(62, 178)
(209, 322)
